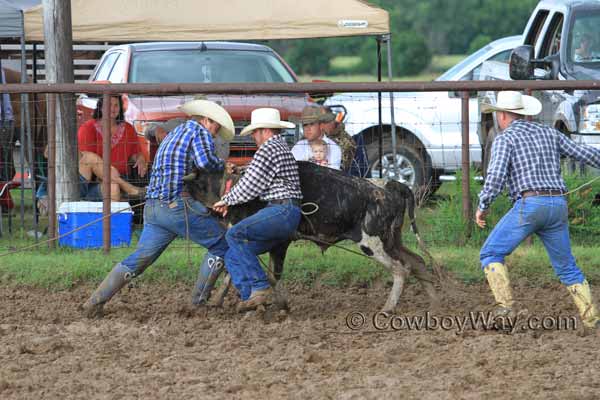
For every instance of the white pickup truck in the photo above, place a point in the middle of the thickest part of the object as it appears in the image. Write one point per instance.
(561, 42)
(428, 124)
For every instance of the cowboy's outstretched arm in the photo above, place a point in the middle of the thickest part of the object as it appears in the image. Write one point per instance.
(497, 173)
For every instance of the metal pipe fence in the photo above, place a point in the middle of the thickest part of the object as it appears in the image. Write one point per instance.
(458, 149)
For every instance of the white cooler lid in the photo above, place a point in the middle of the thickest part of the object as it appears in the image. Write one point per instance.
(93, 207)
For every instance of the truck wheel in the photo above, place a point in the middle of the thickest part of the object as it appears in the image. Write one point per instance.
(411, 167)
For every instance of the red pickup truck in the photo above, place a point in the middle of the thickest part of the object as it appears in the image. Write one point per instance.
(195, 62)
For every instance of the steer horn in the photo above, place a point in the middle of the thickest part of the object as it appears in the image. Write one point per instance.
(190, 177)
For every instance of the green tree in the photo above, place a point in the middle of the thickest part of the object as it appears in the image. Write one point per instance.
(410, 55)
(310, 56)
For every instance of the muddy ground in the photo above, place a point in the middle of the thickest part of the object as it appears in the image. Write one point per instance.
(151, 345)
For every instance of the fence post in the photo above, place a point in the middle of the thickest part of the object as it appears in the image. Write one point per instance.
(51, 115)
(466, 163)
(106, 137)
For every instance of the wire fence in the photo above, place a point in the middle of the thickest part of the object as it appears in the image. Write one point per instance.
(441, 146)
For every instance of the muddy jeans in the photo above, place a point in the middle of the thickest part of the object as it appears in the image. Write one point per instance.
(164, 222)
(547, 217)
(255, 235)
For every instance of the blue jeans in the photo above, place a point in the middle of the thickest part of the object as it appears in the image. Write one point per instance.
(255, 235)
(88, 191)
(164, 222)
(546, 216)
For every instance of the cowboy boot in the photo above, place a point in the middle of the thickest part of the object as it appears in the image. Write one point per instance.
(582, 296)
(497, 277)
(263, 297)
(114, 281)
(209, 272)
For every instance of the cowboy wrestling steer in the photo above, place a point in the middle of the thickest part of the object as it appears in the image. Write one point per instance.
(348, 208)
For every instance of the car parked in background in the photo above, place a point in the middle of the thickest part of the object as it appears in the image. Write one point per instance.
(428, 124)
(195, 62)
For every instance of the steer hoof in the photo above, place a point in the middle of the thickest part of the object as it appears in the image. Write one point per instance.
(92, 311)
(387, 311)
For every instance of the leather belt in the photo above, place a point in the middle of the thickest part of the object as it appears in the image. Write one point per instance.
(531, 193)
(295, 202)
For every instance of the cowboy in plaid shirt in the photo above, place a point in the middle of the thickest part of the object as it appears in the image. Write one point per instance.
(527, 157)
(272, 177)
(169, 212)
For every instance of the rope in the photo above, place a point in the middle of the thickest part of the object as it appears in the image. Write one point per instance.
(306, 213)
(68, 233)
(580, 187)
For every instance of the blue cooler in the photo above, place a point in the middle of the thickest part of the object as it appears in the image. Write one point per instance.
(73, 215)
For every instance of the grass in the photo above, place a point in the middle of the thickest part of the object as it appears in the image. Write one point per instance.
(64, 268)
(440, 222)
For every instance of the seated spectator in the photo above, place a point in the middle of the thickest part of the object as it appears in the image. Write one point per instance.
(319, 152)
(302, 151)
(90, 166)
(125, 147)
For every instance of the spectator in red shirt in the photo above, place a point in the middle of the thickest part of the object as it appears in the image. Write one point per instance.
(124, 142)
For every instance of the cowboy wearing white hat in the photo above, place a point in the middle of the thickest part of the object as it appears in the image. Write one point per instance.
(526, 156)
(311, 119)
(169, 211)
(272, 176)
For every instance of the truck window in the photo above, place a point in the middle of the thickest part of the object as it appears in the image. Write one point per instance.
(536, 27)
(551, 43)
(117, 75)
(106, 67)
(584, 45)
(207, 66)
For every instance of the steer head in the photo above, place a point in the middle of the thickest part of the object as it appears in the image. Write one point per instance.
(208, 187)
(204, 185)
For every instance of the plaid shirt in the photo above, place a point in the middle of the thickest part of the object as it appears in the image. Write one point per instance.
(189, 143)
(272, 175)
(527, 155)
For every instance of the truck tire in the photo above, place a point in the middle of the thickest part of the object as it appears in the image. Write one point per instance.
(411, 165)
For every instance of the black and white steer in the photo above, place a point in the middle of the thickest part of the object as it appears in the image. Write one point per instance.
(348, 208)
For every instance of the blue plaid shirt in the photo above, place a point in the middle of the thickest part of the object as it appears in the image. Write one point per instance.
(527, 155)
(188, 144)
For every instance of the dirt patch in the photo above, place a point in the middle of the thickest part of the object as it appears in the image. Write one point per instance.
(152, 345)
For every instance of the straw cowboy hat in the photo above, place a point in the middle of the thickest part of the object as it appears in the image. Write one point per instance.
(310, 115)
(212, 110)
(265, 118)
(514, 102)
(327, 115)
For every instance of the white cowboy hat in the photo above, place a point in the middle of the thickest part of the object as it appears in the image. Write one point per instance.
(212, 110)
(265, 118)
(514, 102)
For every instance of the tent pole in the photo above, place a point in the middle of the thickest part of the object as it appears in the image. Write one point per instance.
(388, 39)
(22, 127)
(380, 136)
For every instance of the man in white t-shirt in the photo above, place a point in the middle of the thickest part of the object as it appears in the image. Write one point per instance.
(303, 151)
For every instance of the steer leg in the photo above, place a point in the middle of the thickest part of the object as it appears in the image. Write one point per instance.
(419, 269)
(373, 247)
(400, 274)
(276, 259)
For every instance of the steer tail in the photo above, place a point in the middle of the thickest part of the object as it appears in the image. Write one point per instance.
(409, 197)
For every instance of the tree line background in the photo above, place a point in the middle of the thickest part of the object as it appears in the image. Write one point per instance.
(420, 29)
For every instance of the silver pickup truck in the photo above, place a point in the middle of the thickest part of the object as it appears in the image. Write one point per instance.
(561, 42)
(428, 124)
